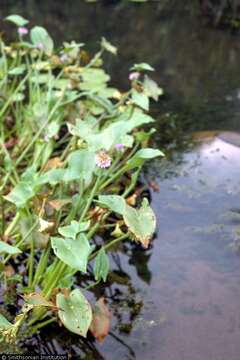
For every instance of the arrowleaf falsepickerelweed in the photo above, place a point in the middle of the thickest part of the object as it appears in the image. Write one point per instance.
(78, 149)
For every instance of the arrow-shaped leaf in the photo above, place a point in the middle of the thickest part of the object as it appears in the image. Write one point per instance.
(141, 222)
(75, 312)
(73, 252)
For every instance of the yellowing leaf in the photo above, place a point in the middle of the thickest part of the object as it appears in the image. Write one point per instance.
(108, 46)
(37, 299)
(141, 222)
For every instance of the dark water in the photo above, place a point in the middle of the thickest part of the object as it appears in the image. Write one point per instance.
(179, 300)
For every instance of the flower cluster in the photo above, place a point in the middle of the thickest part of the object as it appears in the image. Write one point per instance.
(102, 159)
(22, 31)
(134, 75)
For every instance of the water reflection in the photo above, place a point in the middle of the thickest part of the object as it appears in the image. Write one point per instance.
(196, 270)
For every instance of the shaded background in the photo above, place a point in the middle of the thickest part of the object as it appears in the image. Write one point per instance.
(196, 64)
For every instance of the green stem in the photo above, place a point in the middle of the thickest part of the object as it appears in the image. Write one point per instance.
(41, 266)
(13, 94)
(30, 264)
(92, 285)
(12, 225)
(18, 244)
(42, 324)
(89, 201)
(113, 177)
(109, 245)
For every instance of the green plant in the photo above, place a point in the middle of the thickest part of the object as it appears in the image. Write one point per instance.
(71, 152)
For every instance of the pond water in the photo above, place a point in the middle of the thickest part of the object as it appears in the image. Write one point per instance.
(178, 300)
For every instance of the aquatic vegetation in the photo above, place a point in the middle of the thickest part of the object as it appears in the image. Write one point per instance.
(71, 151)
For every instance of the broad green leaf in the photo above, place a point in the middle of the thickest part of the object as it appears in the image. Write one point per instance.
(110, 92)
(81, 164)
(53, 176)
(8, 249)
(75, 312)
(127, 141)
(19, 70)
(141, 156)
(144, 136)
(142, 67)
(25, 189)
(52, 129)
(4, 323)
(83, 128)
(17, 20)
(140, 99)
(73, 252)
(137, 119)
(101, 266)
(71, 231)
(115, 203)
(141, 222)
(108, 46)
(151, 88)
(94, 79)
(116, 132)
(40, 38)
(20, 195)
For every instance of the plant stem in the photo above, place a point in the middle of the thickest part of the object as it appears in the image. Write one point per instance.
(89, 201)
(12, 225)
(109, 245)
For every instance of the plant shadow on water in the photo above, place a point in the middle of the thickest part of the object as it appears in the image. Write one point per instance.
(179, 300)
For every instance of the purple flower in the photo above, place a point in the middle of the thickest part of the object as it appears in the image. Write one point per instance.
(46, 138)
(102, 159)
(22, 31)
(40, 46)
(134, 75)
(119, 147)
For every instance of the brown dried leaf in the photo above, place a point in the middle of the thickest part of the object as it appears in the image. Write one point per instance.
(96, 213)
(131, 200)
(153, 185)
(53, 163)
(100, 325)
(57, 204)
(9, 271)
